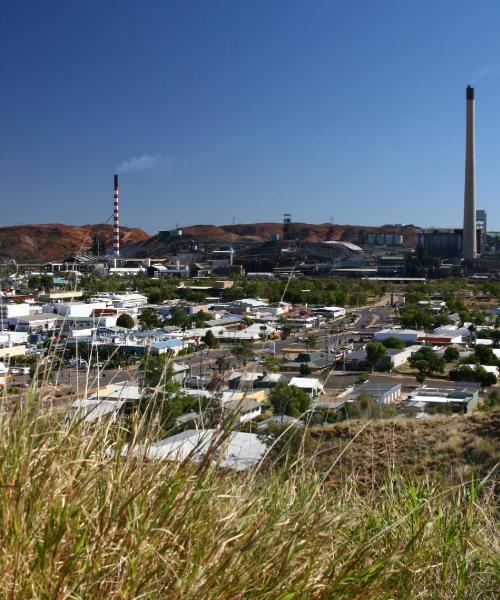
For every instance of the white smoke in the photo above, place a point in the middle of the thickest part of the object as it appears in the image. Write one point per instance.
(482, 72)
(143, 163)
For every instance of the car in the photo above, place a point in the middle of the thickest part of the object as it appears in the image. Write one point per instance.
(14, 371)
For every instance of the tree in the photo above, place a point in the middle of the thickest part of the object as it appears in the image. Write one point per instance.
(420, 377)
(374, 352)
(243, 352)
(210, 340)
(414, 316)
(289, 400)
(161, 399)
(148, 319)
(305, 369)
(427, 355)
(451, 354)
(125, 320)
(485, 355)
(312, 340)
(393, 342)
(271, 363)
(180, 318)
(222, 363)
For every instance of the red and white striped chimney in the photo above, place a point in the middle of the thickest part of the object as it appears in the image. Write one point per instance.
(116, 221)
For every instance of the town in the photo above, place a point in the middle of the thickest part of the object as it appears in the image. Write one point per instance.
(284, 356)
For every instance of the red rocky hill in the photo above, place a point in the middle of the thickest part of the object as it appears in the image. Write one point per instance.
(55, 241)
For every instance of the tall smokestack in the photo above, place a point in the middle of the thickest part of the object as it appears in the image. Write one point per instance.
(469, 243)
(116, 221)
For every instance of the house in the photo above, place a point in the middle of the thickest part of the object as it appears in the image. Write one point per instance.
(112, 401)
(382, 393)
(93, 409)
(236, 450)
(36, 322)
(409, 336)
(180, 372)
(453, 331)
(399, 356)
(245, 380)
(173, 346)
(461, 400)
(284, 420)
(270, 380)
(243, 410)
(330, 311)
(309, 384)
(316, 361)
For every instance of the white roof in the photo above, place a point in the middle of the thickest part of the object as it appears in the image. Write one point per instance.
(195, 392)
(484, 342)
(452, 330)
(124, 391)
(239, 451)
(252, 302)
(491, 369)
(308, 383)
(256, 328)
(397, 332)
(93, 409)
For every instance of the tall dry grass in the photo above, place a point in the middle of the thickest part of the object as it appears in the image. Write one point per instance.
(79, 521)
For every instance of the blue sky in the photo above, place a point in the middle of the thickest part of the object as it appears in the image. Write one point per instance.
(213, 110)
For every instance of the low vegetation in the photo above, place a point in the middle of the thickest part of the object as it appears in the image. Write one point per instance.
(80, 521)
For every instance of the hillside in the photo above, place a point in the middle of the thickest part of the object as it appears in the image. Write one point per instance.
(250, 234)
(55, 241)
(80, 520)
(304, 231)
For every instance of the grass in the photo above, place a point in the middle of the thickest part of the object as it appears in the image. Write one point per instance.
(79, 521)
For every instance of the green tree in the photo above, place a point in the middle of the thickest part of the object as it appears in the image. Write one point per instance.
(420, 377)
(271, 363)
(427, 355)
(161, 399)
(125, 320)
(180, 318)
(210, 340)
(305, 369)
(243, 352)
(451, 354)
(393, 342)
(312, 340)
(374, 352)
(485, 355)
(289, 400)
(222, 363)
(149, 319)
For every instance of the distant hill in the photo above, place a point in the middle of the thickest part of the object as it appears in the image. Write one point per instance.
(55, 241)
(304, 231)
(159, 245)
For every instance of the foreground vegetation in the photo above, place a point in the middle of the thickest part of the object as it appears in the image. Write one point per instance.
(79, 521)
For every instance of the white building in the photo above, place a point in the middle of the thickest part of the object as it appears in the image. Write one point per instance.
(309, 384)
(74, 309)
(9, 310)
(453, 331)
(331, 311)
(237, 451)
(409, 336)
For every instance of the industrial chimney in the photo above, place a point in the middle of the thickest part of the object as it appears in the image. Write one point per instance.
(116, 221)
(469, 240)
